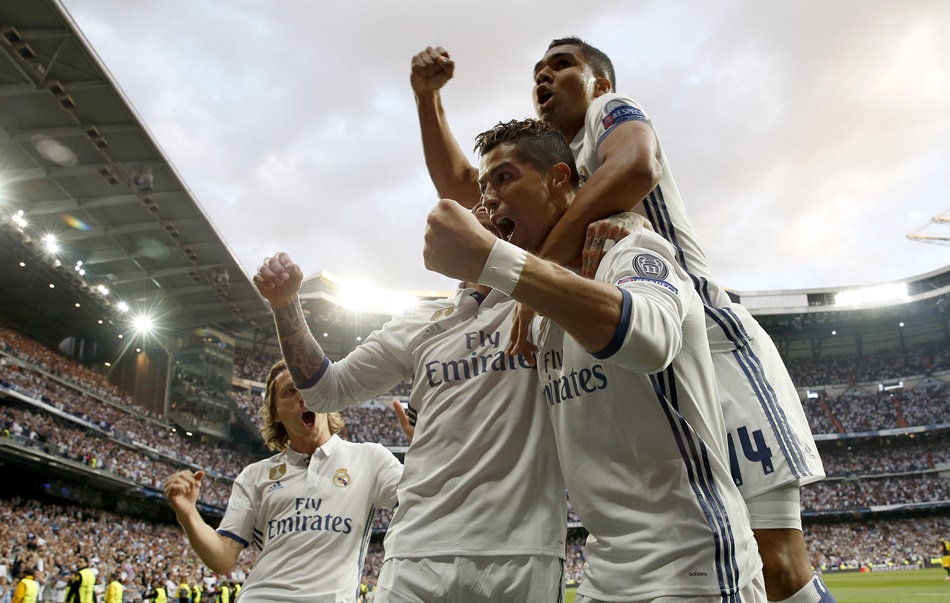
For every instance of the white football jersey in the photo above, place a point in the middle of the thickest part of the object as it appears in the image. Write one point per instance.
(481, 475)
(311, 519)
(641, 440)
(769, 438)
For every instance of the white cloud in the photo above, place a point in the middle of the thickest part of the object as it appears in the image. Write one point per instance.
(808, 137)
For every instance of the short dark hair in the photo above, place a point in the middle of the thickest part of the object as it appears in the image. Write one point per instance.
(599, 62)
(535, 141)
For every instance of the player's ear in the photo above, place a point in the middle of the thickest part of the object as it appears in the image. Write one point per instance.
(601, 86)
(560, 174)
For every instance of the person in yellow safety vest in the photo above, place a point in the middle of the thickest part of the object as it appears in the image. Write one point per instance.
(81, 585)
(196, 592)
(157, 594)
(183, 593)
(224, 594)
(237, 590)
(114, 590)
(27, 589)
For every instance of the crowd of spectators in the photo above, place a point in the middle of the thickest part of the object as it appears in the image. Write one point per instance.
(84, 400)
(860, 410)
(57, 437)
(51, 538)
(843, 495)
(144, 551)
(902, 454)
(920, 359)
(856, 544)
(373, 422)
(253, 364)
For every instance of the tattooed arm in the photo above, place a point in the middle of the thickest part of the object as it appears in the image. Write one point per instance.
(278, 279)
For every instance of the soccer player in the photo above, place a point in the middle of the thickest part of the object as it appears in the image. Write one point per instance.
(621, 165)
(308, 509)
(627, 375)
(945, 557)
(482, 511)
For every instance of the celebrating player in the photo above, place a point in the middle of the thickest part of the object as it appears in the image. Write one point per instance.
(621, 165)
(482, 514)
(308, 509)
(626, 373)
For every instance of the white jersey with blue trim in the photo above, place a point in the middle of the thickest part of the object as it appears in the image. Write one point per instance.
(663, 207)
(770, 439)
(481, 475)
(310, 518)
(641, 440)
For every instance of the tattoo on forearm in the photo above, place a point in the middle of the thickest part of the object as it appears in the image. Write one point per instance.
(289, 320)
(302, 353)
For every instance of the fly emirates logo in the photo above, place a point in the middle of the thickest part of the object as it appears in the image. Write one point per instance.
(559, 387)
(485, 355)
(307, 518)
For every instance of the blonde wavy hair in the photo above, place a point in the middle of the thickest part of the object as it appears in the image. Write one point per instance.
(274, 432)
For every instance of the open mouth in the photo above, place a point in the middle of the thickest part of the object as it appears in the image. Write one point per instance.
(504, 226)
(543, 96)
(309, 418)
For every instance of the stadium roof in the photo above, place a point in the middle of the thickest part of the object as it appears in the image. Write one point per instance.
(79, 163)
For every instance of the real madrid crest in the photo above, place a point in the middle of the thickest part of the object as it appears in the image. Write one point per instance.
(341, 479)
(278, 471)
(443, 313)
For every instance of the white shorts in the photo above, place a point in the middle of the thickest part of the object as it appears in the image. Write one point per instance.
(753, 592)
(770, 443)
(515, 579)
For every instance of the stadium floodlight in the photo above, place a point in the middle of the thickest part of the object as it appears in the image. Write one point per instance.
(365, 298)
(143, 323)
(880, 294)
(51, 244)
(19, 220)
(122, 306)
(102, 289)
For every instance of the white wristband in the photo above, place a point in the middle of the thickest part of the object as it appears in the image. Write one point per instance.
(503, 267)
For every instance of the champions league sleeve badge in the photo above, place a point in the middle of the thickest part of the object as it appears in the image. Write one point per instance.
(651, 269)
(341, 479)
(278, 471)
(650, 266)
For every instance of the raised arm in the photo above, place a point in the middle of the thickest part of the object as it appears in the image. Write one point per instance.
(452, 174)
(278, 279)
(219, 553)
(628, 172)
(598, 315)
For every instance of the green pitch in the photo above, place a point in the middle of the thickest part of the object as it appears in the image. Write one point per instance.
(922, 586)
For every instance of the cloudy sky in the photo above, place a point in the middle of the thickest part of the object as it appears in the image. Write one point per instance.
(808, 137)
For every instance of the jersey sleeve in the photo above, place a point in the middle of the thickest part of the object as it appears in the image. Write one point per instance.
(373, 368)
(610, 110)
(656, 297)
(241, 513)
(388, 473)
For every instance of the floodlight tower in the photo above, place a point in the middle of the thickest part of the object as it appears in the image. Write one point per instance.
(918, 236)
